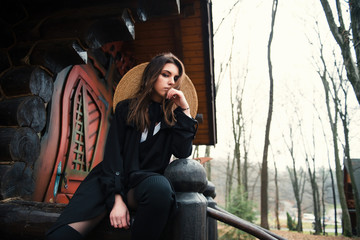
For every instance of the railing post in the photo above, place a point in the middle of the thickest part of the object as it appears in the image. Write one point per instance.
(188, 178)
(210, 194)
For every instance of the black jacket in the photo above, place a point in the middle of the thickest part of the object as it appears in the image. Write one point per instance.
(126, 162)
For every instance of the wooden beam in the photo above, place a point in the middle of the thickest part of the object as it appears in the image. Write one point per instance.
(28, 220)
(26, 80)
(24, 112)
(19, 144)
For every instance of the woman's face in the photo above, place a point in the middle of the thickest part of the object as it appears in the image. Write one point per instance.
(167, 78)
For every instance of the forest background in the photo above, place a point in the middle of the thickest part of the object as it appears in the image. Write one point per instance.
(301, 138)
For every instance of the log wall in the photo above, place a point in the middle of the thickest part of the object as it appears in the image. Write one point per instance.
(25, 92)
(39, 42)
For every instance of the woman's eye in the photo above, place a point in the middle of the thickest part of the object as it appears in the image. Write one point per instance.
(165, 75)
(176, 78)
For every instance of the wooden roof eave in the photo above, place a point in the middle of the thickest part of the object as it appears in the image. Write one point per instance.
(207, 27)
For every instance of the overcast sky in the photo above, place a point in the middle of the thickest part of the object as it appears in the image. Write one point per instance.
(296, 84)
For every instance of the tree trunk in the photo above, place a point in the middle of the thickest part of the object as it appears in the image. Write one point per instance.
(354, 6)
(323, 201)
(318, 210)
(333, 121)
(340, 183)
(338, 170)
(245, 168)
(264, 168)
(344, 120)
(342, 37)
(19, 144)
(26, 80)
(297, 186)
(229, 180)
(334, 198)
(315, 197)
(276, 199)
(24, 112)
(208, 163)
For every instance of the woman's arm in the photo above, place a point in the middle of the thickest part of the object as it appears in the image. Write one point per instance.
(185, 127)
(112, 177)
(183, 134)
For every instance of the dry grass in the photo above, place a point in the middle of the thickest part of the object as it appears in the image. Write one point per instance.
(303, 236)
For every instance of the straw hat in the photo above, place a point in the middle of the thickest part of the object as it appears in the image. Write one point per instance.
(130, 84)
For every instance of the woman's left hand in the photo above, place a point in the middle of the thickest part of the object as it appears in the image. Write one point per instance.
(179, 99)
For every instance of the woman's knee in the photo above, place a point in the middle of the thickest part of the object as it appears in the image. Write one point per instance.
(156, 190)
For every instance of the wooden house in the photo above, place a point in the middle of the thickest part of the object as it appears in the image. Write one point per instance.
(59, 65)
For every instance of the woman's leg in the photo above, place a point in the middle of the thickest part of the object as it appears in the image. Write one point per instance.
(155, 199)
(64, 232)
(75, 231)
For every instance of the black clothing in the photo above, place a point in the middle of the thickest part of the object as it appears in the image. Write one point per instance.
(127, 162)
(65, 232)
(155, 198)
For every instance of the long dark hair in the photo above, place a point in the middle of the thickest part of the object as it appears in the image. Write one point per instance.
(138, 113)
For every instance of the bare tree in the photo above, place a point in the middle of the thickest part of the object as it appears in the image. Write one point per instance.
(315, 194)
(344, 116)
(297, 178)
(342, 36)
(238, 130)
(333, 120)
(312, 177)
(323, 181)
(264, 167)
(246, 142)
(229, 180)
(331, 178)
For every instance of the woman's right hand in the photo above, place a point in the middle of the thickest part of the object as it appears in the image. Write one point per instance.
(119, 215)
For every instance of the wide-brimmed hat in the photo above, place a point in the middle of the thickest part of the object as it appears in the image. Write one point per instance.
(129, 85)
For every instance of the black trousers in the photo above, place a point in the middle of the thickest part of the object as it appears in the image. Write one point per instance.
(155, 202)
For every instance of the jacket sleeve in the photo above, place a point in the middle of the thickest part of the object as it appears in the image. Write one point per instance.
(112, 177)
(183, 134)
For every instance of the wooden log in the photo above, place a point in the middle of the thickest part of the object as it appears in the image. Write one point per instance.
(19, 144)
(24, 112)
(22, 220)
(19, 51)
(26, 220)
(102, 31)
(27, 80)
(150, 9)
(4, 60)
(55, 55)
(12, 12)
(17, 181)
(7, 36)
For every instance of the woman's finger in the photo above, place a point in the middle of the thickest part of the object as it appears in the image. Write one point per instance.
(124, 223)
(128, 218)
(112, 223)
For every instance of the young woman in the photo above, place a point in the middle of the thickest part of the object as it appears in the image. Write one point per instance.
(145, 131)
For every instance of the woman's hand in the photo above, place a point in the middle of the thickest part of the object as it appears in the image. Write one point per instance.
(119, 215)
(179, 99)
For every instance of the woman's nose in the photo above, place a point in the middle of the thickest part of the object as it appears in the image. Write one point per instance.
(171, 81)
